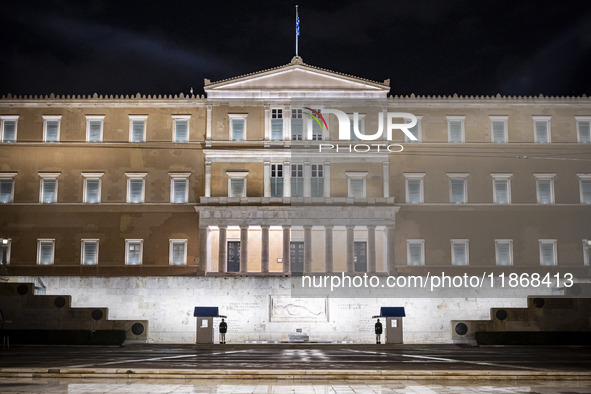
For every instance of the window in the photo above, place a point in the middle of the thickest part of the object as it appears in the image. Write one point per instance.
(89, 253)
(542, 129)
(356, 183)
(585, 188)
(360, 126)
(455, 125)
(414, 188)
(548, 252)
(317, 180)
(48, 189)
(584, 129)
(545, 188)
(415, 130)
(501, 188)
(317, 129)
(137, 128)
(586, 251)
(178, 252)
(7, 187)
(297, 180)
(94, 128)
(6, 249)
(276, 124)
(45, 251)
(498, 125)
(457, 188)
(504, 251)
(134, 251)
(8, 124)
(237, 183)
(237, 127)
(92, 187)
(179, 188)
(51, 128)
(180, 128)
(136, 187)
(276, 180)
(297, 124)
(415, 252)
(459, 252)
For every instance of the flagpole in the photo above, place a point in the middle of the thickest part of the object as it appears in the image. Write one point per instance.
(297, 29)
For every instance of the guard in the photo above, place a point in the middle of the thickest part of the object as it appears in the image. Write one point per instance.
(378, 329)
(223, 330)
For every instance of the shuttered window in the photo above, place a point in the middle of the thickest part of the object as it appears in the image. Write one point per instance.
(297, 180)
(95, 128)
(93, 190)
(136, 190)
(584, 131)
(238, 129)
(178, 252)
(138, 128)
(458, 191)
(49, 191)
(52, 130)
(356, 187)
(317, 129)
(45, 252)
(276, 180)
(459, 251)
(9, 131)
(237, 187)
(360, 127)
(276, 124)
(504, 252)
(179, 191)
(585, 191)
(415, 252)
(297, 125)
(134, 251)
(547, 252)
(181, 130)
(6, 190)
(499, 131)
(414, 193)
(541, 131)
(89, 252)
(545, 191)
(456, 134)
(501, 191)
(317, 186)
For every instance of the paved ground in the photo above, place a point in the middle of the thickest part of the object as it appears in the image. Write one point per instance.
(303, 357)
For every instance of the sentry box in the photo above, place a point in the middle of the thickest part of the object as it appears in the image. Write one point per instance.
(393, 316)
(205, 315)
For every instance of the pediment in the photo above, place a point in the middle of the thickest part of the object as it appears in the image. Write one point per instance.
(295, 80)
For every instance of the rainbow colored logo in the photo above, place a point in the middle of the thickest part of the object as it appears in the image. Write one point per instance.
(315, 115)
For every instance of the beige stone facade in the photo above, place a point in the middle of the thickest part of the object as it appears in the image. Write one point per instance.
(495, 184)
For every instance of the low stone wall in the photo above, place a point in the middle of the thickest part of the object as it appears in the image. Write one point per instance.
(260, 308)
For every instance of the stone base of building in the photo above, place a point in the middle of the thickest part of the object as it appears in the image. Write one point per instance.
(261, 308)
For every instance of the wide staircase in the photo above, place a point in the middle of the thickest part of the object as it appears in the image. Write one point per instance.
(547, 320)
(29, 318)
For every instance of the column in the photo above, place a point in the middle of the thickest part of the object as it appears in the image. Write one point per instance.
(307, 179)
(243, 248)
(327, 179)
(264, 248)
(223, 251)
(203, 236)
(350, 253)
(287, 123)
(207, 178)
(386, 176)
(209, 108)
(371, 249)
(286, 179)
(267, 179)
(286, 243)
(390, 250)
(267, 122)
(328, 255)
(307, 248)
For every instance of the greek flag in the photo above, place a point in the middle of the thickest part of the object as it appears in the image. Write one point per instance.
(297, 25)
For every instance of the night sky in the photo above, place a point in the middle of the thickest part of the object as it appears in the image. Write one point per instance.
(425, 47)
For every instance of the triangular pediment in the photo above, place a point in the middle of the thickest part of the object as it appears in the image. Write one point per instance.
(296, 79)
